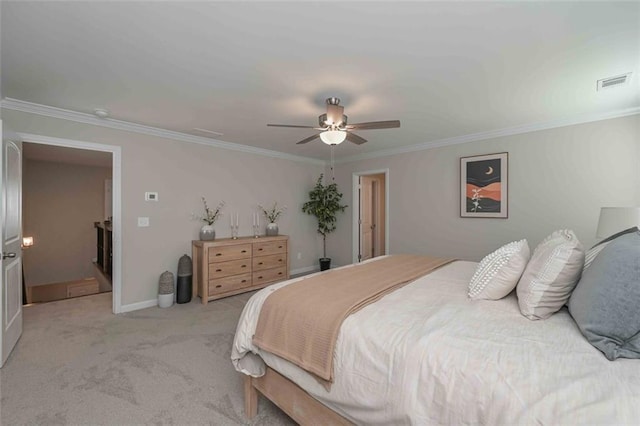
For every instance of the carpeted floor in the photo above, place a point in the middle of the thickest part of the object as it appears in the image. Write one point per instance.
(77, 363)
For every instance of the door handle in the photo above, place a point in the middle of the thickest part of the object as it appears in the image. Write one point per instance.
(8, 255)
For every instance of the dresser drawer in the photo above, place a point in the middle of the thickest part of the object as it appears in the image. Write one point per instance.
(268, 262)
(268, 275)
(223, 285)
(231, 252)
(269, 247)
(232, 267)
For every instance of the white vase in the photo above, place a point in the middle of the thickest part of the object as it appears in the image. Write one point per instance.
(165, 300)
(272, 229)
(207, 233)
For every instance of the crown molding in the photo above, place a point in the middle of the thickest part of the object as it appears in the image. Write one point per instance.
(509, 131)
(81, 117)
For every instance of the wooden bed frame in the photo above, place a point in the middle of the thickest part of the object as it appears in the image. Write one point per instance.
(290, 398)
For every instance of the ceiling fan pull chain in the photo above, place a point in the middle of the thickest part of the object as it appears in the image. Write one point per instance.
(333, 176)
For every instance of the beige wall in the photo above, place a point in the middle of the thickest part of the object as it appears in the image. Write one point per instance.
(181, 173)
(60, 203)
(558, 178)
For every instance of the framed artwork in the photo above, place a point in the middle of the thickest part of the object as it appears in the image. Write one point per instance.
(483, 185)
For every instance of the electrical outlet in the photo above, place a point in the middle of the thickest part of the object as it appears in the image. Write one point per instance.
(299, 256)
(143, 222)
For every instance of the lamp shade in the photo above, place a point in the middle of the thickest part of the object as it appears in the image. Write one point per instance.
(333, 137)
(615, 219)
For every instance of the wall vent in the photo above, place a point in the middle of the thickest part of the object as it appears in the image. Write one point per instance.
(618, 80)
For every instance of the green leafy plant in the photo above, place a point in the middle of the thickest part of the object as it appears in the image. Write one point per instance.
(324, 203)
(273, 213)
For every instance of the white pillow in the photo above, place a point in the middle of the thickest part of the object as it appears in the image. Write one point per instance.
(551, 275)
(498, 273)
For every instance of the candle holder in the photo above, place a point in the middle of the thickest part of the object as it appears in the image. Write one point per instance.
(256, 231)
(234, 232)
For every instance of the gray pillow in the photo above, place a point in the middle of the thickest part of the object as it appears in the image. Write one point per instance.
(593, 251)
(606, 302)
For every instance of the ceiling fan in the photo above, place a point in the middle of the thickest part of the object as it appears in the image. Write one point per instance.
(334, 128)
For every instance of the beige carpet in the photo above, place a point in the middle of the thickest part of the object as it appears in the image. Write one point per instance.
(76, 363)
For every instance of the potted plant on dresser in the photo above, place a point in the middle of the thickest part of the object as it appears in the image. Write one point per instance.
(272, 214)
(207, 232)
(324, 204)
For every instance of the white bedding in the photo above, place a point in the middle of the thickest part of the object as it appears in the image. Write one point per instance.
(427, 354)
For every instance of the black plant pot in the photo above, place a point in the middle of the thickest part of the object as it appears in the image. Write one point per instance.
(325, 263)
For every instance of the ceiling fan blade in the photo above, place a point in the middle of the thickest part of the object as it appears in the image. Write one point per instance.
(389, 124)
(309, 139)
(352, 137)
(290, 125)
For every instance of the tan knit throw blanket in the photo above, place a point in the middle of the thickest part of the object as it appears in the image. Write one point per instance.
(300, 322)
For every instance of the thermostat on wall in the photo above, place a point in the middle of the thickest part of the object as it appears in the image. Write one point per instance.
(151, 196)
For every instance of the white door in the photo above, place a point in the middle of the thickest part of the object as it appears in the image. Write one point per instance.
(11, 238)
(378, 206)
(367, 224)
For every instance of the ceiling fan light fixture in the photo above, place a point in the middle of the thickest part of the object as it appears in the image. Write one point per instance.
(333, 137)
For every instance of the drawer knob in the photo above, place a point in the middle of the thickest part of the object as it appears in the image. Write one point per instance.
(244, 281)
(243, 251)
(260, 277)
(279, 273)
(218, 254)
(259, 263)
(218, 270)
(219, 285)
(279, 246)
(259, 249)
(243, 266)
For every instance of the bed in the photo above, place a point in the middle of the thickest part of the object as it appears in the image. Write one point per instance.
(428, 354)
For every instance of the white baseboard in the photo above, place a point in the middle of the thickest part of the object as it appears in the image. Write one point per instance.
(154, 302)
(139, 305)
(308, 269)
(304, 270)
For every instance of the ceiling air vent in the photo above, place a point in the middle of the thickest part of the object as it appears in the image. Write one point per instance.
(619, 80)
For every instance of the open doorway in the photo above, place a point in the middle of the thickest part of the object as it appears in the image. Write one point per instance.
(114, 251)
(371, 215)
(67, 216)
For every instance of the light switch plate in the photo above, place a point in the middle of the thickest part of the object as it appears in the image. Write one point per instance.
(143, 222)
(151, 196)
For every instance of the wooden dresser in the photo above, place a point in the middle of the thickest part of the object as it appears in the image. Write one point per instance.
(226, 266)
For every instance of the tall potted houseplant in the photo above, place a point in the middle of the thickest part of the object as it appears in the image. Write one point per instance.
(324, 204)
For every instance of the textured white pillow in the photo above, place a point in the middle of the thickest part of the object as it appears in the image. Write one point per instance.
(498, 273)
(551, 275)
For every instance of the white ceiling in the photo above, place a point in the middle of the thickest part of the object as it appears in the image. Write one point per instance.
(445, 69)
